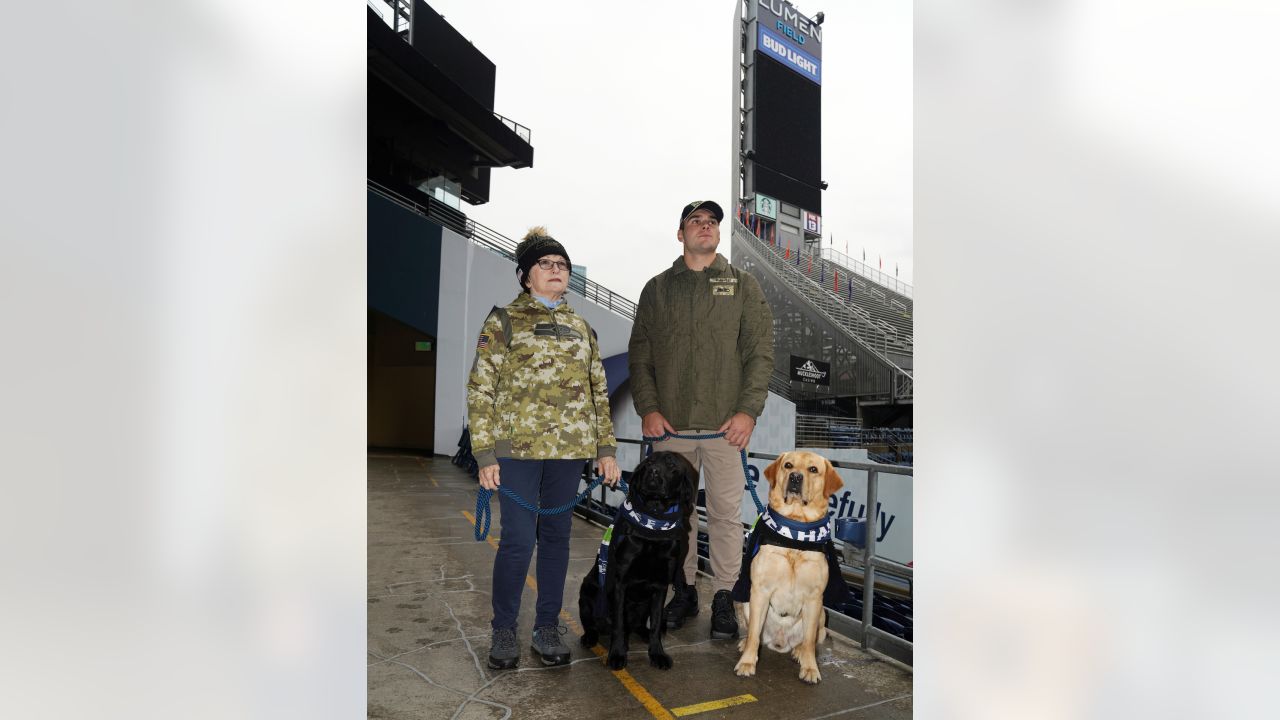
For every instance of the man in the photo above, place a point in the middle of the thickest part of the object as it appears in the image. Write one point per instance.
(700, 355)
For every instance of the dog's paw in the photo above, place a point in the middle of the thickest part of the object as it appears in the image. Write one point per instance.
(617, 661)
(810, 675)
(745, 668)
(589, 639)
(742, 644)
(662, 661)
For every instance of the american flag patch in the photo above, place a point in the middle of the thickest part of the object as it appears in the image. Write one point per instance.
(483, 342)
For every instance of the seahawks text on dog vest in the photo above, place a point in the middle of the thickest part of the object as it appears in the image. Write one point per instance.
(816, 532)
(666, 522)
(813, 537)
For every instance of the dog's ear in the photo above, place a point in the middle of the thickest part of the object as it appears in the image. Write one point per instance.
(770, 471)
(831, 481)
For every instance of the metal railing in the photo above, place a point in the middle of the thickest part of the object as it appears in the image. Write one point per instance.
(523, 132)
(885, 316)
(866, 563)
(856, 321)
(886, 446)
(871, 562)
(401, 12)
(861, 269)
(500, 244)
(823, 431)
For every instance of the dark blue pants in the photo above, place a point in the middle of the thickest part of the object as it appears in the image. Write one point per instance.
(545, 483)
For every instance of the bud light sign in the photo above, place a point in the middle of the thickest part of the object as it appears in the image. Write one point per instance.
(774, 46)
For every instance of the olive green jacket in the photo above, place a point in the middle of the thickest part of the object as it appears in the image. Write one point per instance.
(702, 346)
(544, 397)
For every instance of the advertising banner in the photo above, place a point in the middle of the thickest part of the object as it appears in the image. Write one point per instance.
(814, 372)
(766, 207)
(774, 46)
(812, 223)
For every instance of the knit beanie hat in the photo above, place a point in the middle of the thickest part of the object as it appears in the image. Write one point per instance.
(536, 245)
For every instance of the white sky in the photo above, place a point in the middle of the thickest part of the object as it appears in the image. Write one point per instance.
(631, 113)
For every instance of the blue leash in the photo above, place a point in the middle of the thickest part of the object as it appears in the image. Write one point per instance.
(746, 472)
(485, 514)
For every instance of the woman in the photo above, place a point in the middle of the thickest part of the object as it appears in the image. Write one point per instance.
(539, 408)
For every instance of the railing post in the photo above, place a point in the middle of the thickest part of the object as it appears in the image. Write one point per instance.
(868, 553)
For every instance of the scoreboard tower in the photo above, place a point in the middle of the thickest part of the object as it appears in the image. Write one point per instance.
(777, 118)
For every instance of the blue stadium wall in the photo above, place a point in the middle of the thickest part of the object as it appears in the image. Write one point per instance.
(403, 319)
(404, 265)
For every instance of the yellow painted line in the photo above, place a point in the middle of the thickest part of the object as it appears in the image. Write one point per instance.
(637, 690)
(429, 475)
(713, 705)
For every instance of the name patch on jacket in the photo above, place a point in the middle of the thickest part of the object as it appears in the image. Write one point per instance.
(559, 331)
(723, 285)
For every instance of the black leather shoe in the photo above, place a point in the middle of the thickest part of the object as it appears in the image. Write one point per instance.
(724, 624)
(683, 605)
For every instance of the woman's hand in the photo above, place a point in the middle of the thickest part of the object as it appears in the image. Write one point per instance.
(608, 467)
(489, 477)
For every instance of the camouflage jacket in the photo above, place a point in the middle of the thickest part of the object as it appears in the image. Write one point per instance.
(544, 397)
(701, 346)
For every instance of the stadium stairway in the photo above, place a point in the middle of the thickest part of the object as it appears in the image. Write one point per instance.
(877, 342)
(885, 314)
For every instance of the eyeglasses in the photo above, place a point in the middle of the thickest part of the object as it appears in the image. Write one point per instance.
(709, 222)
(548, 264)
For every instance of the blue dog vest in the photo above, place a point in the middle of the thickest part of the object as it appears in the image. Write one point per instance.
(664, 523)
(779, 530)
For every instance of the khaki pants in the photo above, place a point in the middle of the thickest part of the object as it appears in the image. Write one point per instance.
(721, 466)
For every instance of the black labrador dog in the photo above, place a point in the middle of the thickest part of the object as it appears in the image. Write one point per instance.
(642, 555)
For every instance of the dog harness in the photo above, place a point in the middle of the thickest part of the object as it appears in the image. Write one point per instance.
(648, 525)
(807, 536)
(777, 529)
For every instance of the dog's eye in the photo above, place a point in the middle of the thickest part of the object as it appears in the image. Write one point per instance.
(813, 469)
(787, 466)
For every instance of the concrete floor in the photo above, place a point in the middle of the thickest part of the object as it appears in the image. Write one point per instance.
(428, 624)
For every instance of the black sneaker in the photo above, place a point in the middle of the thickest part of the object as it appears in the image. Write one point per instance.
(683, 605)
(548, 646)
(503, 652)
(724, 623)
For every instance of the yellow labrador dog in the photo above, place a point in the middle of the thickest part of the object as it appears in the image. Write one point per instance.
(786, 567)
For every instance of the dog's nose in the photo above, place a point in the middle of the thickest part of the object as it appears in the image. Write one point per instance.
(795, 481)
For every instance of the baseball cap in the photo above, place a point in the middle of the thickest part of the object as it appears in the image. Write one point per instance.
(701, 205)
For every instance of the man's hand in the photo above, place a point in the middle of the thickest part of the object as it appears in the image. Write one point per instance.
(737, 430)
(654, 425)
(608, 467)
(489, 477)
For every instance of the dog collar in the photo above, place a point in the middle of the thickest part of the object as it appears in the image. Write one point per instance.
(655, 524)
(817, 531)
(664, 522)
